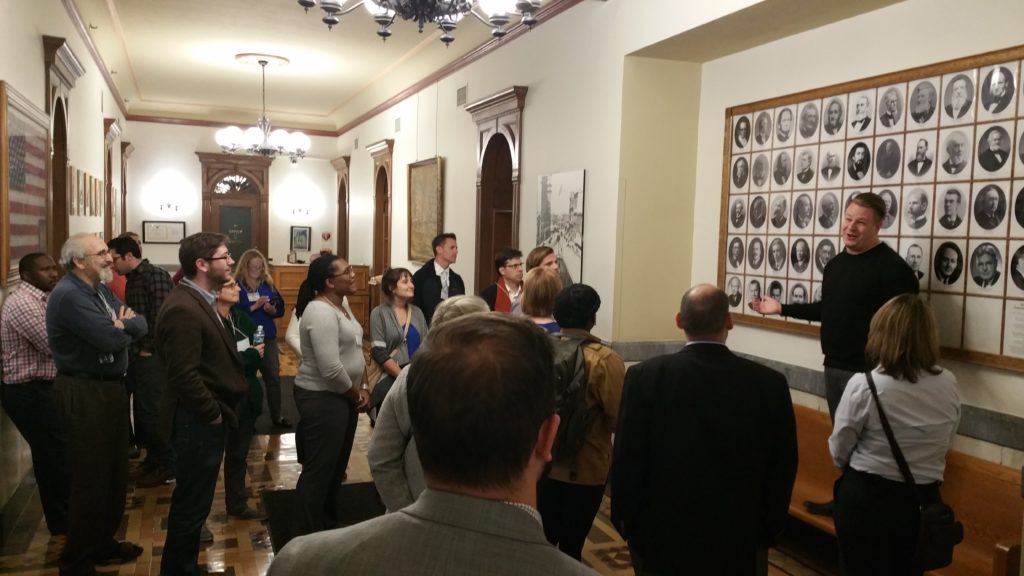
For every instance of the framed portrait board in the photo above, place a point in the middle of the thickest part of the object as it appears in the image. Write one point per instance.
(154, 232)
(24, 179)
(426, 206)
(942, 145)
(301, 238)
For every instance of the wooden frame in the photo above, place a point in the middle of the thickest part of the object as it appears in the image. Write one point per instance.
(426, 206)
(161, 232)
(301, 238)
(24, 180)
(922, 143)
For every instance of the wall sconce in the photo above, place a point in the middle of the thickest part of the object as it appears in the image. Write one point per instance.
(300, 211)
(168, 207)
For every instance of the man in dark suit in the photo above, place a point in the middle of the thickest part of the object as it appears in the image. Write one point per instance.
(988, 207)
(956, 159)
(997, 91)
(206, 382)
(862, 115)
(923, 102)
(951, 209)
(890, 114)
(986, 265)
(921, 163)
(435, 280)
(994, 156)
(959, 101)
(805, 161)
(830, 166)
(705, 454)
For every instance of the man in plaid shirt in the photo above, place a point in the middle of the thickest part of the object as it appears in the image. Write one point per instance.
(28, 373)
(147, 288)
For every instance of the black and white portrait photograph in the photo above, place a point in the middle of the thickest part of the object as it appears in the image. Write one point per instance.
(763, 129)
(816, 294)
(1020, 146)
(780, 211)
(833, 120)
(759, 177)
(798, 293)
(924, 100)
(810, 119)
(741, 134)
(948, 263)
(958, 97)
(782, 170)
(892, 209)
(951, 205)
(828, 211)
(914, 256)
(823, 252)
(861, 110)
(737, 212)
(805, 165)
(754, 290)
(1018, 209)
(890, 109)
(831, 164)
(915, 209)
(755, 254)
(989, 208)
(777, 290)
(799, 256)
(758, 212)
(998, 86)
(736, 253)
(956, 155)
(734, 290)
(1017, 268)
(803, 210)
(921, 155)
(888, 159)
(784, 126)
(740, 172)
(777, 254)
(858, 163)
(994, 150)
(986, 261)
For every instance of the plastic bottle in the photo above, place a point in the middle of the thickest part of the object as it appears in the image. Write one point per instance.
(258, 337)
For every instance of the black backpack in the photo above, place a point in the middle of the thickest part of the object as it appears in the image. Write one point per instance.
(571, 397)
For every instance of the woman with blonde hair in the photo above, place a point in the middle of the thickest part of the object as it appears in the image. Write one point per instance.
(877, 513)
(394, 463)
(540, 288)
(263, 303)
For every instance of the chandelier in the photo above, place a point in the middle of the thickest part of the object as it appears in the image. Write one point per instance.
(261, 140)
(444, 13)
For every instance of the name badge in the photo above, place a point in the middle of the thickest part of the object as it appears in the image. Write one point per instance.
(243, 345)
(253, 296)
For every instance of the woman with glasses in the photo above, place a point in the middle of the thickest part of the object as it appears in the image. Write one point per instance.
(397, 327)
(328, 389)
(263, 303)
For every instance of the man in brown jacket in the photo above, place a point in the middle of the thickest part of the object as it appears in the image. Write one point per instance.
(205, 382)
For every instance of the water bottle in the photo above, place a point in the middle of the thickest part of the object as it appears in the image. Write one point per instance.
(258, 337)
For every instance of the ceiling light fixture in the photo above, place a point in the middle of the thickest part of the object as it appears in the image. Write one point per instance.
(260, 139)
(446, 14)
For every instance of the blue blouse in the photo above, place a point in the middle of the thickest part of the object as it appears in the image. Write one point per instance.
(259, 317)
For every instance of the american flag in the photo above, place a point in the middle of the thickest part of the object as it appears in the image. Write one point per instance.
(27, 186)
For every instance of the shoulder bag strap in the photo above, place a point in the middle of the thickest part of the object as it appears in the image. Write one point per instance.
(901, 461)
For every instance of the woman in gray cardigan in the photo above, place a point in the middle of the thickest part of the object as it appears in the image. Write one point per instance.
(397, 327)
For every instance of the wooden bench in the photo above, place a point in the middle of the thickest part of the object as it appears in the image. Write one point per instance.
(985, 496)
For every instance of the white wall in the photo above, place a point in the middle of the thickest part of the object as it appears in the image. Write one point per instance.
(914, 33)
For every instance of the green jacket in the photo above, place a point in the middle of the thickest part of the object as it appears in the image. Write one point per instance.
(252, 405)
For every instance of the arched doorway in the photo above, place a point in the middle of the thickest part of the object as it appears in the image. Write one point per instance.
(59, 174)
(382, 153)
(496, 208)
(235, 198)
(341, 165)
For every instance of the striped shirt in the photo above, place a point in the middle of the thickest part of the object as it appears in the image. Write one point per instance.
(26, 351)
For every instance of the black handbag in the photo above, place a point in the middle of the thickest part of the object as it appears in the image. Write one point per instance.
(939, 531)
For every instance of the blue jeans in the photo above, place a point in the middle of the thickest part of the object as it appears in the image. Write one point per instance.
(199, 448)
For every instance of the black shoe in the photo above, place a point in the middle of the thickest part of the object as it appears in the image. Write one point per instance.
(282, 422)
(156, 477)
(248, 514)
(205, 535)
(120, 553)
(819, 508)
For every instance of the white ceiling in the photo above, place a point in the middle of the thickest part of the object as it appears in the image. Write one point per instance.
(176, 58)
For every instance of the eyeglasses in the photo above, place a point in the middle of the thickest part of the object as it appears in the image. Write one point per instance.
(224, 257)
(101, 253)
(346, 272)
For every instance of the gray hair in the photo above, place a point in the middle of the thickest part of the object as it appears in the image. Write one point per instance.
(74, 247)
(458, 306)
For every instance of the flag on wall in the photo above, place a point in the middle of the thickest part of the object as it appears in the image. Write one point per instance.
(27, 184)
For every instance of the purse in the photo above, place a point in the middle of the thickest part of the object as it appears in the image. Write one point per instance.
(939, 531)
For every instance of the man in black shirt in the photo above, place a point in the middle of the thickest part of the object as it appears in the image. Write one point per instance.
(856, 283)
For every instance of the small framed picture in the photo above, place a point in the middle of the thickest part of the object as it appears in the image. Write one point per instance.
(301, 238)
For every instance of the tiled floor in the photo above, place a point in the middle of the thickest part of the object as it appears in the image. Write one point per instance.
(243, 548)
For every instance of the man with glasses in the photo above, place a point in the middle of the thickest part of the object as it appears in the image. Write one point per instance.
(504, 295)
(145, 292)
(89, 332)
(206, 382)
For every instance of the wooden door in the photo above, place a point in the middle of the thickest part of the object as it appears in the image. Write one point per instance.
(381, 223)
(496, 209)
(235, 199)
(237, 219)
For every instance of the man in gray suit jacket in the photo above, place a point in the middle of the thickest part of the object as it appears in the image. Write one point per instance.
(481, 460)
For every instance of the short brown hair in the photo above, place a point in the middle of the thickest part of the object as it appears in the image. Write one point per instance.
(540, 288)
(872, 201)
(199, 245)
(537, 255)
(904, 339)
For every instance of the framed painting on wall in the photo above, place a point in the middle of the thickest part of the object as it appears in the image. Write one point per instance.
(24, 179)
(301, 238)
(426, 206)
(560, 221)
